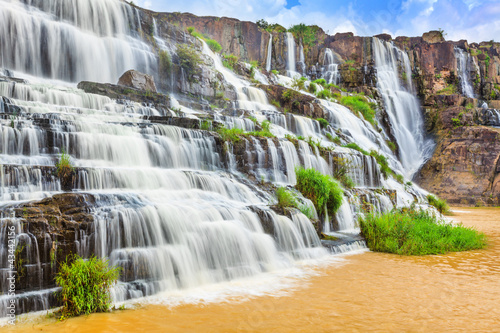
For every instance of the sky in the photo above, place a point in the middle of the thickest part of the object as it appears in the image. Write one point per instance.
(474, 20)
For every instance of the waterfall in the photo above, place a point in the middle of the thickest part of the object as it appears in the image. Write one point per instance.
(463, 67)
(72, 40)
(269, 53)
(330, 68)
(290, 54)
(401, 105)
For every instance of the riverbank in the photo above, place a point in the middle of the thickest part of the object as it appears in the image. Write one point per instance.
(368, 292)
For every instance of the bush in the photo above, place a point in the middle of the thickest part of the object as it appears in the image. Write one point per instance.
(189, 60)
(359, 104)
(391, 145)
(233, 134)
(321, 189)
(312, 88)
(229, 61)
(305, 32)
(409, 231)
(440, 204)
(285, 198)
(384, 166)
(323, 122)
(320, 81)
(165, 64)
(324, 94)
(214, 45)
(64, 166)
(85, 285)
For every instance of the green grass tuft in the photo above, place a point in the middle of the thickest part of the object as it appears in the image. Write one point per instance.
(285, 198)
(440, 204)
(85, 285)
(361, 105)
(323, 122)
(321, 189)
(409, 231)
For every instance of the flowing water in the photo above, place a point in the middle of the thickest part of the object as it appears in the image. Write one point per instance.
(365, 292)
(464, 66)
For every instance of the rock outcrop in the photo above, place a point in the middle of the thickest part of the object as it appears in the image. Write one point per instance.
(137, 80)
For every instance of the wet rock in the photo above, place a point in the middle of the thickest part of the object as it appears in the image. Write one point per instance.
(137, 80)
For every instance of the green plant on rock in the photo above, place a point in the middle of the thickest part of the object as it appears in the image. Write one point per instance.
(289, 95)
(354, 145)
(324, 94)
(440, 204)
(63, 165)
(165, 64)
(323, 122)
(189, 60)
(307, 33)
(275, 103)
(212, 44)
(341, 169)
(322, 190)
(391, 145)
(321, 82)
(333, 139)
(456, 122)
(206, 125)
(286, 198)
(85, 285)
(299, 83)
(275, 72)
(229, 61)
(360, 104)
(312, 88)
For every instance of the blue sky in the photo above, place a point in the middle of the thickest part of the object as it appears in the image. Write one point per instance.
(474, 20)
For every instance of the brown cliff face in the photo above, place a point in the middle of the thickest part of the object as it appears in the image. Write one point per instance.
(465, 168)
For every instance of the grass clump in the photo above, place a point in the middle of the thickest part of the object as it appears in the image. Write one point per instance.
(285, 198)
(305, 32)
(85, 285)
(233, 134)
(212, 44)
(440, 204)
(408, 231)
(359, 104)
(63, 165)
(320, 82)
(324, 94)
(322, 190)
(229, 61)
(384, 165)
(355, 146)
(323, 122)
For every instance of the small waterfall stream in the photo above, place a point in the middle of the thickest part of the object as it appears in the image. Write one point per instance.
(463, 66)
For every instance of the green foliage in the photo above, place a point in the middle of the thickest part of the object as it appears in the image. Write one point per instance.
(391, 145)
(440, 204)
(165, 63)
(63, 165)
(324, 94)
(442, 33)
(285, 198)
(189, 60)
(360, 104)
(312, 88)
(307, 211)
(299, 83)
(323, 122)
(85, 285)
(333, 139)
(274, 27)
(275, 72)
(382, 161)
(448, 90)
(206, 125)
(355, 146)
(408, 231)
(400, 179)
(305, 32)
(321, 189)
(289, 95)
(275, 103)
(233, 134)
(212, 44)
(341, 169)
(229, 61)
(456, 122)
(320, 81)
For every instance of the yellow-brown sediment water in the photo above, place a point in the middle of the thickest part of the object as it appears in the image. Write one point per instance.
(456, 292)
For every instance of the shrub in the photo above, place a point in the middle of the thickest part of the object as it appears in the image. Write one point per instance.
(448, 90)
(189, 60)
(275, 103)
(400, 179)
(391, 145)
(275, 72)
(165, 63)
(323, 122)
(63, 165)
(289, 94)
(233, 134)
(285, 198)
(299, 83)
(382, 161)
(359, 104)
(85, 285)
(321, 189)
(229, 61)
(320, 81)
(312, 88)
(206, 125)
(305, 32)
(324, 94)
(214, 45)
(408, 231)
(440, 204)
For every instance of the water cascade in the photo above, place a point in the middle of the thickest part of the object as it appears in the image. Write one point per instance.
(463, 66)
(290, 55)
(269, 53)
(401, 104)
(330, 68)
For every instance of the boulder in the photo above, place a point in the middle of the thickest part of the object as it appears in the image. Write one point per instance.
(432, 37)
(137, 80)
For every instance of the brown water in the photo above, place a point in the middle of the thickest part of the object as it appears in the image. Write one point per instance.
(374, 292)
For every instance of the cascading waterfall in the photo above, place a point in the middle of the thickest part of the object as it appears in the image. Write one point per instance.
(463, 66)
(290, 55)
(401, 105)
(72, 40)
(330, 68)
(269, 53)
